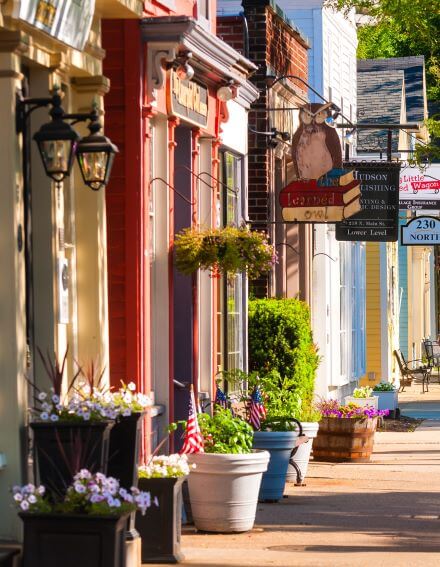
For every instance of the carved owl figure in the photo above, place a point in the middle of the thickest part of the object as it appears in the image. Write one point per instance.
(316, 148)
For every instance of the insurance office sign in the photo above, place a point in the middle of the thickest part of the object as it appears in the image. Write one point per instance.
(420, 188)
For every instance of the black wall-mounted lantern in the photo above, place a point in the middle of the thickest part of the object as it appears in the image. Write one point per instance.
(59, 143)
(95, 154)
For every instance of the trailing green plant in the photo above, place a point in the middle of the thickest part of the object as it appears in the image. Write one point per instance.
(282, 352)
(224, 251)
(384, 387)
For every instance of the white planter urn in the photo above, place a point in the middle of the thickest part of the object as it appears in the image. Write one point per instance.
(223, 490)
(361, 401)
(302, 454)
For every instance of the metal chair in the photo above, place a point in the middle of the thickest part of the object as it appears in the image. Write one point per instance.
(409, 373)
(432, 352)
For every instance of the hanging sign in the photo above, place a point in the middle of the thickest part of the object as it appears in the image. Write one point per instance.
(187, 100)
(421, 231)
(323, 191)
(420, 188)
(379, 218)
(68, 21)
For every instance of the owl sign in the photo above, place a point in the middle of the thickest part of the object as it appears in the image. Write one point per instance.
(322, 191)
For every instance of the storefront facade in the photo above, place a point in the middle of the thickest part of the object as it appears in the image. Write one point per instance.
(166, 329)
(53, 240)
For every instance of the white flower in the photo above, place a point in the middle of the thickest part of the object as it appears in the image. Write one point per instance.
(126, 412)
(41, 490)
(131, 386)
(42, 396)
(55, 399)
(80, 488)
(83, 474)
(86, 416)
(44, 415)
(24, 505)
(54, 417)
(32, 498)
(18, 497)
(45, 406)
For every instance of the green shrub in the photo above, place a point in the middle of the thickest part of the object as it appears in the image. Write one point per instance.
(281, 350)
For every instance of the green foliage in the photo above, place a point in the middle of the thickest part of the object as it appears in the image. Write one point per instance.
(384, 387)
(400, 28)
(224, 251)
(224, 433)
(282, 353)
(362, 392)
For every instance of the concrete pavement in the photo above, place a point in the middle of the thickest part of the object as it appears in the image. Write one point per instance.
(383, 513)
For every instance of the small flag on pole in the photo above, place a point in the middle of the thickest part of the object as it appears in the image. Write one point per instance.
(257, 411)
(221, 398)
(193, 441)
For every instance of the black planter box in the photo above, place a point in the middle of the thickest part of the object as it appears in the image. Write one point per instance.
(123, 455)
(62, 449)
(55, 540)
(160, 528)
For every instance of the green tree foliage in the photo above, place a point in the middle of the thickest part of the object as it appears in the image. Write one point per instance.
(400, 28)
(282, 352)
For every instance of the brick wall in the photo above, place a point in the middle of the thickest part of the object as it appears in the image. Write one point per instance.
(279, 49)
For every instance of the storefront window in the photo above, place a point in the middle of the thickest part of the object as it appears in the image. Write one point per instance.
(231, 294)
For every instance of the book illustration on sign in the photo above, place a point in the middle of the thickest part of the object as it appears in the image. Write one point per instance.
(336, 177)
(306, 201)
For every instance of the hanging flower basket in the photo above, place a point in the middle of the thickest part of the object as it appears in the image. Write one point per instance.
(224, 251)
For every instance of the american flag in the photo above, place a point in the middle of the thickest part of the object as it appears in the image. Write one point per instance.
(257, 411)
(221, 399)
(193, 441)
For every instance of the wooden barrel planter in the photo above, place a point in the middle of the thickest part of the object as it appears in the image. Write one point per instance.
(344, 440)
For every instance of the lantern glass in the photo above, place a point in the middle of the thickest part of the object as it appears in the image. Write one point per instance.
(95, 168)
(57, 156)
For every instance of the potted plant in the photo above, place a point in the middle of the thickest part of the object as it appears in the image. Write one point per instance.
(346, 432)
(269, 407)
(387, 396)
(224, 251)
(309, 418)
(228, 471)
(69, 431)
(86, 528)
(160, 530)
(362, 397)
(283, 355)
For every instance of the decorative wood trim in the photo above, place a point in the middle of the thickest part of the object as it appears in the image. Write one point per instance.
(99, 84)
(13, 41)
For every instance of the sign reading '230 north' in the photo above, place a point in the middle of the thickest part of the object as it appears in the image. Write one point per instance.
(421, 231)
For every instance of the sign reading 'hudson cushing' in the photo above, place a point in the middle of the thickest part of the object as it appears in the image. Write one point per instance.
(379, 218)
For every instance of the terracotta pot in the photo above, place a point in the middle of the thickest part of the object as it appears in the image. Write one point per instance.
(344, 440)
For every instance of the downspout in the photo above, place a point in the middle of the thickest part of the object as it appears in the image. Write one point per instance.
(195, 296)
(172, 124)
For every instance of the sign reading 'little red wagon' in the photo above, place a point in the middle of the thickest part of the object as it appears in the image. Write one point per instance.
(420, 188)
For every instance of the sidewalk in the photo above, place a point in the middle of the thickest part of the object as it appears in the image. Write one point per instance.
(383, 513)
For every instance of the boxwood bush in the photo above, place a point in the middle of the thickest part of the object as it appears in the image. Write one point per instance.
(281, 347)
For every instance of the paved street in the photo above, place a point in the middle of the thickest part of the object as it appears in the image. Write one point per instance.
(385, 513)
